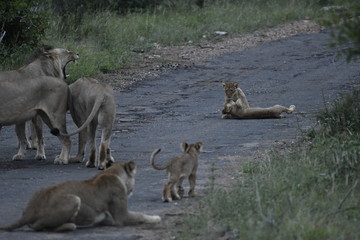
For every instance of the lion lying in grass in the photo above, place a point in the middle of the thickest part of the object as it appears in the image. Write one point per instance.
(237, 106)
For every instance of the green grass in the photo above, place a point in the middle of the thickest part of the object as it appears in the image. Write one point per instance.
(107, 41)
(310, 191)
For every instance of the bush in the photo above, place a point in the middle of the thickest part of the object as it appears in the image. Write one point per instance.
(22, 25)
(346, 22)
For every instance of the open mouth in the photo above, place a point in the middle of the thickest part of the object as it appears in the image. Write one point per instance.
(76, 57)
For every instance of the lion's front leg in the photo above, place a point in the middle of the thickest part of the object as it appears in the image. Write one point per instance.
(242, 100)
(37, 128)
(133, 218)
(20, 133)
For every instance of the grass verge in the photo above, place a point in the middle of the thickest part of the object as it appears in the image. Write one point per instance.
(108, 42)
(310, 191)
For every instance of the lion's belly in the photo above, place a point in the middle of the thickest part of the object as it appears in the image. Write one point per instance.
(10, 116)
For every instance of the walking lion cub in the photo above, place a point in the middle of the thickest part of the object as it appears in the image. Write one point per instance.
(178, 169)
(101, 200)
(237, 106)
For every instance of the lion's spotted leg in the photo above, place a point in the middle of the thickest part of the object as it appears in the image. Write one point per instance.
(192, 182)
(20, 133)
(180, 189)
(173, 192)
(166, 193)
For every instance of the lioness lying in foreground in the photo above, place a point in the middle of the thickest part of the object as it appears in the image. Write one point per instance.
(236, 105)
(101, 200)
(90, 98)
(178, 169)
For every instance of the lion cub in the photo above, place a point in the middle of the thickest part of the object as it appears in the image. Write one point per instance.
(178, 169)
(237, 106)
(101, 200)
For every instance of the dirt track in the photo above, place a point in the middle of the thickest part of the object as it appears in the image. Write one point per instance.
(185, 104)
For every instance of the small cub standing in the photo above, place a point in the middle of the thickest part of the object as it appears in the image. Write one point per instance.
(101, 200)
(178, 169)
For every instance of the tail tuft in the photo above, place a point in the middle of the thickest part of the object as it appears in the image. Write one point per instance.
(55, 131)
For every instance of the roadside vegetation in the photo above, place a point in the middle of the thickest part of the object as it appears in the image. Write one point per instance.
(309, 191)
(110, 34)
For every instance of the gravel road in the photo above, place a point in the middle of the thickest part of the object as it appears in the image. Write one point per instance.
(185, 104)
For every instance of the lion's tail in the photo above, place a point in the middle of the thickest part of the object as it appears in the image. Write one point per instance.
(19, 223)
(152, 161)
(91, 116)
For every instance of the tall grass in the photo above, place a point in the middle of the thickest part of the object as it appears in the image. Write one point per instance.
(107, 41)
(311, 191)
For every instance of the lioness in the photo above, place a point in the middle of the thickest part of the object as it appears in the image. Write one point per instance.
(237, 106)
(101, 200)
(88, 97)
(46, 61)
(179, 168)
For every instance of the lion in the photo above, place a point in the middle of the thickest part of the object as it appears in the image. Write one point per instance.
(179, 168)
(87, 96)
(236, 105)
(46, 61)
(101, 200)
(23, 99)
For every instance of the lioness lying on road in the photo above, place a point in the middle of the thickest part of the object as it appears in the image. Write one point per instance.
(46, 61)
(94, 100)
(101, 200)
(179, 168)
(237, 106)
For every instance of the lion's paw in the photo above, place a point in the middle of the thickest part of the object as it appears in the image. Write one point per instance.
(76, 159)
(291, 109)
(18, 156)
(90, 164)
(60, 161)
(40, 157)
(153, 219)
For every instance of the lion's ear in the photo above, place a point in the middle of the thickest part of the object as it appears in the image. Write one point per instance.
(130, 167)
(223, 84)
(46, 54)
(199, 146)
(236, 84)
(184, 146)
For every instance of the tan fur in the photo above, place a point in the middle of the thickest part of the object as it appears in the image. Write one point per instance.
(46, 61)
(179, 168)
(101, 200)
(237, 106)
(87, 95)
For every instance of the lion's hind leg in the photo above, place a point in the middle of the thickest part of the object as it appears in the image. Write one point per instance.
(291, 109)
(105, 158)
(91, 163)
(59, 214)
(166, 193)
(192, 182)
